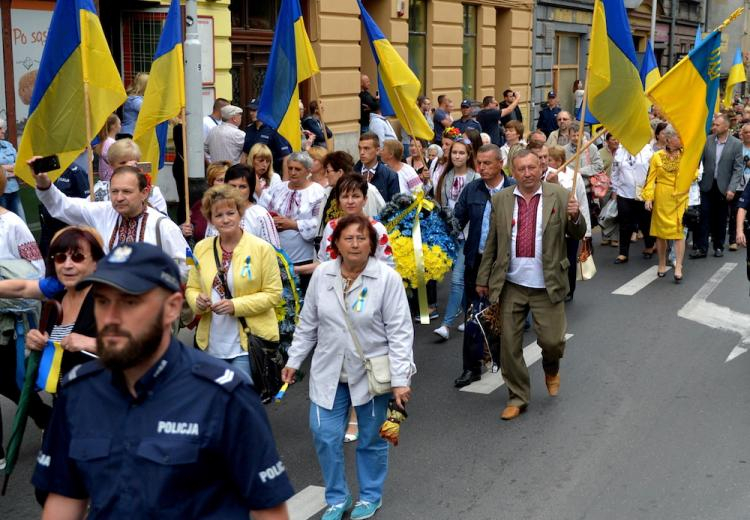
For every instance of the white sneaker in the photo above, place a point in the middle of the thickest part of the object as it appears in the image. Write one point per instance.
(2, 463)
(461, 327)
(442, 331)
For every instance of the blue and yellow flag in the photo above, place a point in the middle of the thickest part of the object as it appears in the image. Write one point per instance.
(399, 87)
(615, 92)
(75, 54)
(649, 69)
(736, 76)
(687, 96)
(292, 62)
(165, 92)
(698, 35)
(49, 367)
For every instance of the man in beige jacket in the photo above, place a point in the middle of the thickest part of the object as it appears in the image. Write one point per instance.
(524, 267)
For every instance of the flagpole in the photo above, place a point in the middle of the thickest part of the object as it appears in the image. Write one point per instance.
(653, 22)
(89, 150)
(185, 175)
(316, 96)
(580, 150)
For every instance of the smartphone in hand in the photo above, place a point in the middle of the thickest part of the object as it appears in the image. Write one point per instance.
(46, 164)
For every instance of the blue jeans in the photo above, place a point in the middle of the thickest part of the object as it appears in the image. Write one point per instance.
(242, 363)
(328, 428)
(12, 202)
(456, 298)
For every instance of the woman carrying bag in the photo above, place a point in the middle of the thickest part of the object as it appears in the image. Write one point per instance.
(355, 310)
(234, 285)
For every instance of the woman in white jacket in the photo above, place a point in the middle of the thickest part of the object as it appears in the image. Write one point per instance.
(372, 295)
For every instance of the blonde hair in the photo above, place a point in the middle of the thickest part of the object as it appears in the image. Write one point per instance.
(123, 150)
(394, 147)
(264, 152)
(317, 152)
(557, 153)
(221, 193)
(138, 86)
(215, 170)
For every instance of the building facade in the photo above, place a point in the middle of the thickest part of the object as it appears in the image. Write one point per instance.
(463, 50)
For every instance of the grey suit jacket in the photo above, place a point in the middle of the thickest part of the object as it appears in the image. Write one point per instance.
(730, 166)
(555, 224)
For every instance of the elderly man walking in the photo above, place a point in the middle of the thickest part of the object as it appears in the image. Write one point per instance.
(524, 267)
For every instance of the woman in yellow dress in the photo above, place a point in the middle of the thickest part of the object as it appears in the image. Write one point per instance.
(666, 206)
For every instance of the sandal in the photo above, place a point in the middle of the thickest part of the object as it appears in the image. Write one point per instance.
(352, 437)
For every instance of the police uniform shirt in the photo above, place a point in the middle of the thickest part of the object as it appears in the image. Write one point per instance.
(194, 443)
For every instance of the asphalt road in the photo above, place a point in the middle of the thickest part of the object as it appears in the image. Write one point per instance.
(651, 421)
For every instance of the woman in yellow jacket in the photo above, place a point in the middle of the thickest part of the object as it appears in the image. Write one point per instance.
(235, 276)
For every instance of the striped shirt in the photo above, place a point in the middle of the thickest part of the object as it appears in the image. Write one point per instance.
(61, 331)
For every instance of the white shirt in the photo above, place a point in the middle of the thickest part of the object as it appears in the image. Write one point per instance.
(103, 217)
(209, 123)
(257, 221)
(304, 206)
(381, 127)
(17, 242)
(224, 334)
(629, 172)
(526, 271)
(225, 143)
(565, 179)
(408, 180)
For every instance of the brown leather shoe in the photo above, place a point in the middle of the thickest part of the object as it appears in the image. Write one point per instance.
(553, 384)
(511, 412)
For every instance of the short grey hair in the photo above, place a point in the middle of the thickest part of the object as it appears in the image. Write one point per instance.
(438, 150)
(495, 149)
(669, 132)
(303, 158)
(3, 123)
(575, 126)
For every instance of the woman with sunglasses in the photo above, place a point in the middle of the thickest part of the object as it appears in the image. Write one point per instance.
(74, 252)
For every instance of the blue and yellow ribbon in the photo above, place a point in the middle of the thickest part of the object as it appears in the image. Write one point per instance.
(359, 305)
(416, 234)
(246, 272)
(286, 263)
(282, 392)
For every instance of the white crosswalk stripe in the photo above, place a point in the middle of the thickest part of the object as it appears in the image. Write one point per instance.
(639, 282)
(307, 503)
(491, 382)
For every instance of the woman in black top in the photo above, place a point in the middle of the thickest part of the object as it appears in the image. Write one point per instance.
(73, 255)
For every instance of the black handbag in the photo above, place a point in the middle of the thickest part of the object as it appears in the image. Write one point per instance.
(692, 217)
(266, 359)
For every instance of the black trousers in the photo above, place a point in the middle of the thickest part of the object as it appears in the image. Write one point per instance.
(632, 215)
(572, 245)
(733, 206)
(714, 213)
(472, 358)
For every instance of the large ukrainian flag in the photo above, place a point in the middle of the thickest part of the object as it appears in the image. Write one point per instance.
(399, 87)
(736, 76)
(75, 57)
(164, 98)
(615, 92)
(687, 96)
(292, 61)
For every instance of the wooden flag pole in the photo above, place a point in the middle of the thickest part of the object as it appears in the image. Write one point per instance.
(186, 178)
(89, 137)
(316, 96)
(581, 128)
(579, 151)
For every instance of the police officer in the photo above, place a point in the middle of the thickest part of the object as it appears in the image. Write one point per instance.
(153, 428)
(259, 132)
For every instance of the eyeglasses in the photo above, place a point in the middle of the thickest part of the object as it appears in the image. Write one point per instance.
(76, 257)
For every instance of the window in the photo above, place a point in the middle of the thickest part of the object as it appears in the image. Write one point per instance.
(254, 15)
(470, 51)
(418, 39)
(565, 69)
(140, 36)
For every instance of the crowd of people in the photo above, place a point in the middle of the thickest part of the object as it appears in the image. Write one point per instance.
(284, 251)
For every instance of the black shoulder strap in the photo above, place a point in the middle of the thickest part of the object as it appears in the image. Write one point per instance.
(223, 279)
